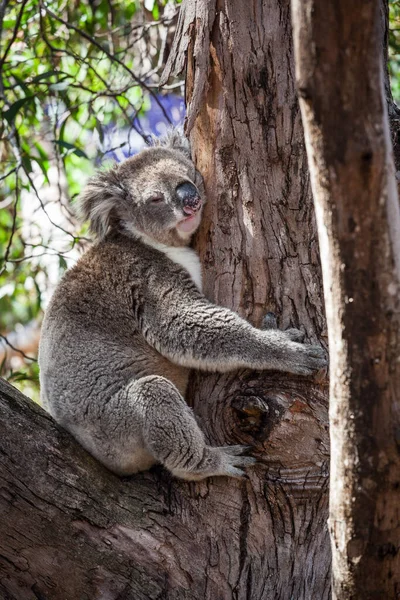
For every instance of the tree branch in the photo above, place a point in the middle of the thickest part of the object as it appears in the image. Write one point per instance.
(352, 175)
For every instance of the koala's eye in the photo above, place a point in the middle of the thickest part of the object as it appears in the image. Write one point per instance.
(156, 199)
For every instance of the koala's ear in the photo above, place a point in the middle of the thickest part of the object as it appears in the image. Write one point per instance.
(99, 201)
(175, 139)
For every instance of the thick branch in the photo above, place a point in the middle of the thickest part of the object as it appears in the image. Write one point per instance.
(339, 76)
(70, 529)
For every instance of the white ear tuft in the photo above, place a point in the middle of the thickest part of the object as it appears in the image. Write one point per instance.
(175, 139)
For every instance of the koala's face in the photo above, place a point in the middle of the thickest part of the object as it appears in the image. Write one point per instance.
(157, 194)
(166, 202)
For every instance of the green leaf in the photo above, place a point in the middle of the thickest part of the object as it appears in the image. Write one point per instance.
(155, 12)
(100, 130)
(69, 146)
(21, 83)
(11, 113)
(43, 76)
(62, 263)
(62, 129)
(44, 165)
(26, 163)
(18, 376)
(60, 86)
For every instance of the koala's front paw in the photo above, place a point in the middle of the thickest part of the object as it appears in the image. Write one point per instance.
(306, 360)
(295, 335)
(294, 356)
(270, 322)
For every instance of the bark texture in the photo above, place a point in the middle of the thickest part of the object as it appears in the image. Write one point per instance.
(72, 530)
(259, 249)
(339, 75)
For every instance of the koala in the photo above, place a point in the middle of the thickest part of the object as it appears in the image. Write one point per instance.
(129, 320)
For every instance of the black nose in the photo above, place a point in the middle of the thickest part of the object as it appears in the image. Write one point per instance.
(188, 196)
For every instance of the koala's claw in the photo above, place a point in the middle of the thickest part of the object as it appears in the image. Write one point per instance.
(236, 450)
(269, 321)
(310, 359)
(296, 335)
(233, 458)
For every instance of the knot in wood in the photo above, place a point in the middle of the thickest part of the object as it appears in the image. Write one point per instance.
(255, 415)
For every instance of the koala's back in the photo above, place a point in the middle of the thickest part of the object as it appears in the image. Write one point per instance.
(91, 345)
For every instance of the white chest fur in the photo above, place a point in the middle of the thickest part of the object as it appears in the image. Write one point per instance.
(188, 259)
(184, 256)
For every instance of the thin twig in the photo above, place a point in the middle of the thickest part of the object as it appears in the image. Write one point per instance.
(113, 58)
(13, 227)
(14, 35)
(10, 173)
(5, 340)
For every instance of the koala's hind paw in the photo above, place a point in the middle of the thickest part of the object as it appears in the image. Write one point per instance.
(234, 457)
(226, 461)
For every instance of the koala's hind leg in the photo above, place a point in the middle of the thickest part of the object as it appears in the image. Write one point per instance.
(163, 427)
(173, 437)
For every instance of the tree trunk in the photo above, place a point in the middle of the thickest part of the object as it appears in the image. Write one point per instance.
(259, 249)
(339, 75)
(72, 530)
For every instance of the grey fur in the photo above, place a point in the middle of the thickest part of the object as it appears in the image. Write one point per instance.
(127, 323)
(174, 139)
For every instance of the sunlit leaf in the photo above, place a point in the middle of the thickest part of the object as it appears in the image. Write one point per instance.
(62, 263)
(10, 114)
(46, 75)
(69, 146)
(60, 86)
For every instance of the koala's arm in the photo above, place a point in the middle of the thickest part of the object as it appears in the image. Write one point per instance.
(192, 332)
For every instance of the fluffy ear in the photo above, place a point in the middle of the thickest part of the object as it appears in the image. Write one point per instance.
(174, 138)
(99, 199)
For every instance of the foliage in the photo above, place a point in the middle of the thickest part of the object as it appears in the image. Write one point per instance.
(77, 82)
(394, 47)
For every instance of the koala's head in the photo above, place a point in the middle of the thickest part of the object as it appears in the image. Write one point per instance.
(158, 193)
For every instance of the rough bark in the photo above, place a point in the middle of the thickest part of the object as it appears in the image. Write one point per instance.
(339, 75)
(259, 250)
(72, 530)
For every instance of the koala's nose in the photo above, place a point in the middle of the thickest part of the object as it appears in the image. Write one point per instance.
(189, 198)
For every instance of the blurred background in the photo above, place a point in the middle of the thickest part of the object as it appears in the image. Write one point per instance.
(79, 89)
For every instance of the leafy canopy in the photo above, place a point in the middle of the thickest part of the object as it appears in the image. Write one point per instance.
(77, 81)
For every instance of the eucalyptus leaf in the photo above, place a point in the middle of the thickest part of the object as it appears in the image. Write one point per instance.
(60, 86)
(62, 263)
(11, 113)
(72, 147)
(45, 75)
